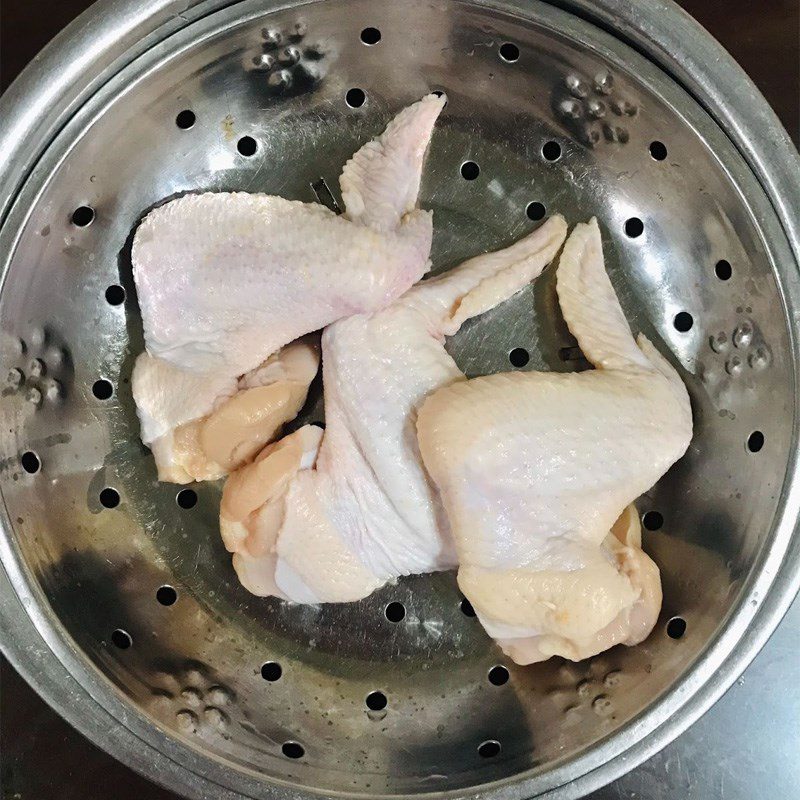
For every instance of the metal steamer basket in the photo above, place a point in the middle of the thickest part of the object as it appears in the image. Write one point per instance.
(117, 599)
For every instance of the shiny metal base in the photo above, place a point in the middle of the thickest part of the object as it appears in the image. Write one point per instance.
(124, 608)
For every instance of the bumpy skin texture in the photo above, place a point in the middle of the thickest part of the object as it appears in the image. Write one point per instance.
(368, 512)
(224, 280)
(534, 469)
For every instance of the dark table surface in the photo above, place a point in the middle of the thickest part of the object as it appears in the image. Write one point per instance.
(747, 746)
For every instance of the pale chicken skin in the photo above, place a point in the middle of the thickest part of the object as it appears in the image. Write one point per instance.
(244, 418)
(534, 469)
(225, 280)
(367, 513)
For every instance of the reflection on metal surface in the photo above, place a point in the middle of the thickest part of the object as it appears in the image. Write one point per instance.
(190, 681)
(744, 747)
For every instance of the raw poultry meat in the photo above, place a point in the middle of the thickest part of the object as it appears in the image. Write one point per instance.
(225, 280)
(246, 413)
(534, 468)
(367, 513)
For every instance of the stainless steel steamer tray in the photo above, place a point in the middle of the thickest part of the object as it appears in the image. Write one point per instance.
(627, 111)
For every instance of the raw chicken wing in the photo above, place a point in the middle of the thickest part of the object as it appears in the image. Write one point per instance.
(535, 468)
(225, 280)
